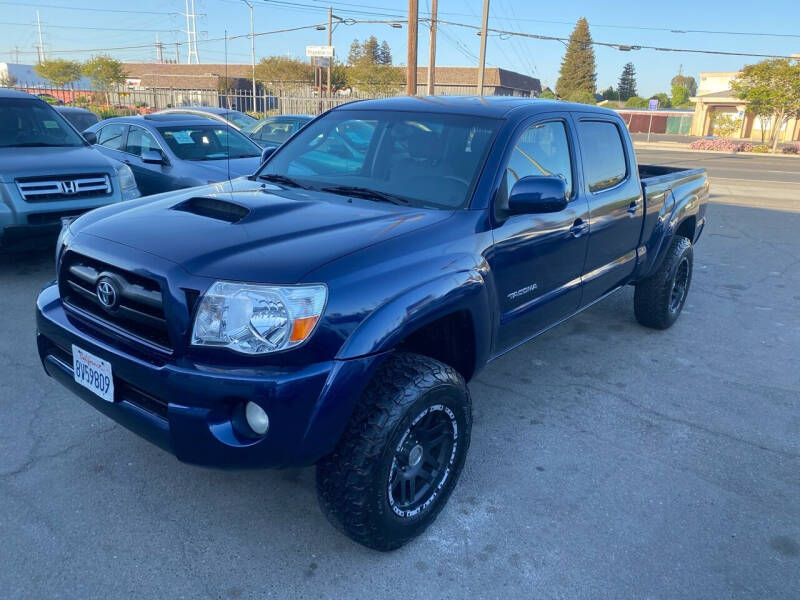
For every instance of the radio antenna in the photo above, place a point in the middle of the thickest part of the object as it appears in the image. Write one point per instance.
(228, 118)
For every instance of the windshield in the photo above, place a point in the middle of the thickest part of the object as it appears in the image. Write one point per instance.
(33, 123)
(240, 119)
(425, 159)
(208, 142)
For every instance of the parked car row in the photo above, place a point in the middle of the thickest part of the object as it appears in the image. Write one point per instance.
(49, 171)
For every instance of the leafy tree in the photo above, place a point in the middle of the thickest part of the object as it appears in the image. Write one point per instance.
(369, 63)
(547, 95)
(726, 125)
(582, 97)
(680, 95)
(578, 73)
(690, 83)
(104, 72)
(636, 102)
(663, 100)
(287, 71)
(772, 90)
(610, 93)
(372, 50)
(59, 71)
(627, 82)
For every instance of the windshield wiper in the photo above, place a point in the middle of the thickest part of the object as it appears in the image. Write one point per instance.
(274, 177)
(362, 192)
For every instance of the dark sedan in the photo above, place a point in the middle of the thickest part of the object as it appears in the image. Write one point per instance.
(174, 151)
(273, 131)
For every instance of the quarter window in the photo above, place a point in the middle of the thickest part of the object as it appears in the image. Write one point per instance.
(542, 149)
(112, 136)
(604, 161)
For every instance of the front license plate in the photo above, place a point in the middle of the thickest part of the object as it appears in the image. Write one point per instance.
(93, 373)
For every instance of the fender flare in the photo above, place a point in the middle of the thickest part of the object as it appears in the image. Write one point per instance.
(684, 209)
(413, 309)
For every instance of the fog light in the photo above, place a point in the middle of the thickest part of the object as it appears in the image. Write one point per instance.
(257, 418)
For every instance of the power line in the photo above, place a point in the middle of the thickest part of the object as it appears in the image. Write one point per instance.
(128, 29)
(107, 10)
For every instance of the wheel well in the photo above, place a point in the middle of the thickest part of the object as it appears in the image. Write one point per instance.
(686, 229)
(449, 339)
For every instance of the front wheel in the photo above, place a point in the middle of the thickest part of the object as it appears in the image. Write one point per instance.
(659, 299)
(401, 454)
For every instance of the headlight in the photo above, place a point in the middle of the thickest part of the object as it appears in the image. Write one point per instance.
(257, 319)
(125, 177)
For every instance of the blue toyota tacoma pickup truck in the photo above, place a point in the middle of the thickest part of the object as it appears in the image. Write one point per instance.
(330, 308)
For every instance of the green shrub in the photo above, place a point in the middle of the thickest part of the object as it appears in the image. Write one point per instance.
(636, 102)
(761, 149)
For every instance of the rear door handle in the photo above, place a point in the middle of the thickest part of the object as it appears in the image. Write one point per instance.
(579, 227)
(633, 207)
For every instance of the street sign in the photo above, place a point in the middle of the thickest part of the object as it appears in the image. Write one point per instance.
(314, 51)
(653, 104)
(321, 61)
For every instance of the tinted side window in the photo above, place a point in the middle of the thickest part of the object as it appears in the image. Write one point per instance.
(542, 149)
(141, 141)
(112, 136)
(603, 155)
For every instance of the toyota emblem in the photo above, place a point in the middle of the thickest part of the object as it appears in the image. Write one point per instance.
(107, 293)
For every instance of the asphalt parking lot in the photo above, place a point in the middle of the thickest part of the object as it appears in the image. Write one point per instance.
(607, 460)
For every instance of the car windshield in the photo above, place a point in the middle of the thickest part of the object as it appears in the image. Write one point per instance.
(208, 142)
(240, 119)
(80, 120)
(419, 159)
(33, 123)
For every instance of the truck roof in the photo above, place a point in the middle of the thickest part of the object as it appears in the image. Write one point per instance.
(486, 106)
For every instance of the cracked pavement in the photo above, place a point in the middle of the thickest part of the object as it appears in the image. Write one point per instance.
(607, 460)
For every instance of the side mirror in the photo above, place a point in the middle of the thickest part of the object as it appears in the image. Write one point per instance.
(90, 137)
(153, 157)
(538, 194)
(267, 152)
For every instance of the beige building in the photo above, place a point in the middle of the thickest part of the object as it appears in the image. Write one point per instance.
(714, 97)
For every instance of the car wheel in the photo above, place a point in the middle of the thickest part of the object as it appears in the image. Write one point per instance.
(659, 299)
(400, 455)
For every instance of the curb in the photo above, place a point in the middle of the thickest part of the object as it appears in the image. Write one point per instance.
(678, 147)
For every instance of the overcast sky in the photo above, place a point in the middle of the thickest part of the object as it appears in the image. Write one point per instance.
(66, 27)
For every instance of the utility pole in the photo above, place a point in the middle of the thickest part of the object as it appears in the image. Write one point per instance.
(177, 53)
(413, 27)
(432, 50)
(41, 44)
(330, 43)
(252, 49)
(482, 59)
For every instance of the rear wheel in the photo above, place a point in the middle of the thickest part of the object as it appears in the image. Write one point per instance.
(401, 454)
(659, 299)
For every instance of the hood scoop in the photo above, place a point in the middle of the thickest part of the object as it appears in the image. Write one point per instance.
(214, 208)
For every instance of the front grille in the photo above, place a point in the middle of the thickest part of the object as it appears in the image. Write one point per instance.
(136, 310)
(63, 187)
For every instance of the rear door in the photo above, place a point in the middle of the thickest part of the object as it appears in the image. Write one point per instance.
(614, 195)
(537, 258)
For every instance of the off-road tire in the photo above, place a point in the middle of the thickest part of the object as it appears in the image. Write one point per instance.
(353, 482)
(654, 300)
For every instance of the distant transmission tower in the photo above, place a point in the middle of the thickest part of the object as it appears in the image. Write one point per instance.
(191, 34)
(159, 51)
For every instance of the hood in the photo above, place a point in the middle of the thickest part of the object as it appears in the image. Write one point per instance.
(217, 170)
(30, 162)
(255, 232)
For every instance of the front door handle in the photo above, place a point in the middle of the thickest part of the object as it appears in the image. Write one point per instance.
(633, 207)
(579, 227)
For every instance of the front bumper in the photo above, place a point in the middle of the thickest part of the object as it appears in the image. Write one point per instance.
(188, 408)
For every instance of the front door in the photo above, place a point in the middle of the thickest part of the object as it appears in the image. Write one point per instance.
(537, 258)
(151, 178)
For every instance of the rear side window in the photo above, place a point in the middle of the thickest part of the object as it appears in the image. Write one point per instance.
(112, 136)
(604, 161)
